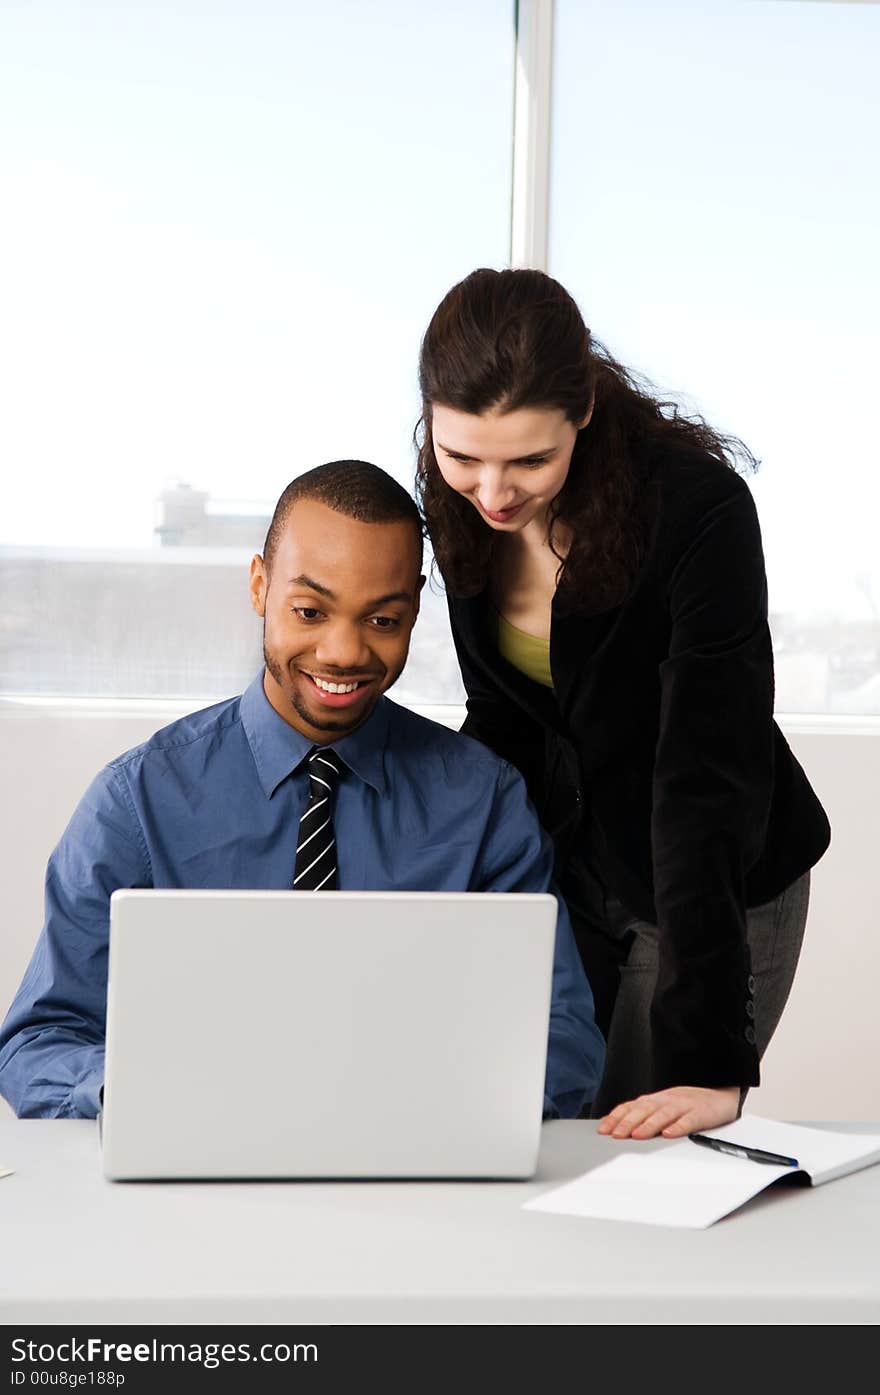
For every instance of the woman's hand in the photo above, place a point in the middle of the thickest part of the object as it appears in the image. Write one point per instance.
(673, 1113)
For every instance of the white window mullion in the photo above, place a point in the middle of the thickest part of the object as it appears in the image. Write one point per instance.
(531, 134)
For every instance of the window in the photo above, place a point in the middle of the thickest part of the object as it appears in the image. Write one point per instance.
(715, 212)
(229, 225)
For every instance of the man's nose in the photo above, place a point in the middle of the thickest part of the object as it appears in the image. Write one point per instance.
(342, 646)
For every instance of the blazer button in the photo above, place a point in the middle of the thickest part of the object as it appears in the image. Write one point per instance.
(750, 1008)
(751, 983)
(749, 1035)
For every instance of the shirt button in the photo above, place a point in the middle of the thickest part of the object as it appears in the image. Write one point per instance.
(749, 1035)
(751, 983)
(750, 1008)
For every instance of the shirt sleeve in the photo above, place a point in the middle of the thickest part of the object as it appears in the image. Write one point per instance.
(713, 780)
(52, 1041)
(517, 855)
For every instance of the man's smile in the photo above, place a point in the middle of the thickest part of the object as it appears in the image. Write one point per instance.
(337, 692)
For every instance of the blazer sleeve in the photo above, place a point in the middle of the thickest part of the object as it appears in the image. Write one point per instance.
(712, 787)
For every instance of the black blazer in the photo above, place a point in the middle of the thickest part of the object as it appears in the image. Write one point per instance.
(657, 755)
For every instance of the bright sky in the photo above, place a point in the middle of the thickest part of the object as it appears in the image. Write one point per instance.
(229, 224)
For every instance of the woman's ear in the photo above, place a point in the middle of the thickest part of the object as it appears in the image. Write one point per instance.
(585, 420)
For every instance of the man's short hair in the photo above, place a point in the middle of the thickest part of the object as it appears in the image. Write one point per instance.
(353, 487)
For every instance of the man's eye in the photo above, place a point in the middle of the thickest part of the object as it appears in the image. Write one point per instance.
(306, 612)
(534, 461)
(384, 622)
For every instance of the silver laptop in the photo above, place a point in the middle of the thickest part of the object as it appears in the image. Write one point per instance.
(313, 1034)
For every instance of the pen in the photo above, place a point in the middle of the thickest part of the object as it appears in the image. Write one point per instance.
(738, 1150)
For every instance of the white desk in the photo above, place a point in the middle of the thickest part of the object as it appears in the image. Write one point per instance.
(77, 1249)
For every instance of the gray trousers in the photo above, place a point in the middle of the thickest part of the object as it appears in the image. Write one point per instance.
(620, 954)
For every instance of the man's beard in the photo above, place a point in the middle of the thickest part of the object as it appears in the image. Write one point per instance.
(319, 723)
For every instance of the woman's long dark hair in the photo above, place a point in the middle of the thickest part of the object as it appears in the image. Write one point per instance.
(510, 339)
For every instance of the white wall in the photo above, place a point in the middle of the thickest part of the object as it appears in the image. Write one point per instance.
(823, 1063)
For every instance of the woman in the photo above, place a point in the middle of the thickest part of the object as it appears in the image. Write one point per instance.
(607, 593)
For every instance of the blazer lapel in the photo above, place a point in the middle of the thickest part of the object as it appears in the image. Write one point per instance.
(471, 617)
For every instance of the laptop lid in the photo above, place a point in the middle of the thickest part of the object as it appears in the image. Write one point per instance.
(315, 1034)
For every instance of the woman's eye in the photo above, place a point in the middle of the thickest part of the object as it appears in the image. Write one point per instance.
(529, 462)
(384, 622)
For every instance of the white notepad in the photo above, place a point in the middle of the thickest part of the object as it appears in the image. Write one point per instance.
(688, 1185)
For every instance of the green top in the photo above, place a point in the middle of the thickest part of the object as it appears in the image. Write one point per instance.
(525, 652)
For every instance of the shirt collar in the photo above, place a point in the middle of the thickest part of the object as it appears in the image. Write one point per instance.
(278, 748)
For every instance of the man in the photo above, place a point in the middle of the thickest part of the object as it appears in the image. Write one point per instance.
(233, 796)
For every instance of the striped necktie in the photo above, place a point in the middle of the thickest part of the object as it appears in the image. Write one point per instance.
(315, 868)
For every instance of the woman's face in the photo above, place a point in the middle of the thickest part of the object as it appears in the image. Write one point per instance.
(510, 465)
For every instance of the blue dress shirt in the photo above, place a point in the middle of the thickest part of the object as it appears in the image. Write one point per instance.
(214, 800)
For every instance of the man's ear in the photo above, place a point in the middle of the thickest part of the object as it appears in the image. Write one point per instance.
(259, 585)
